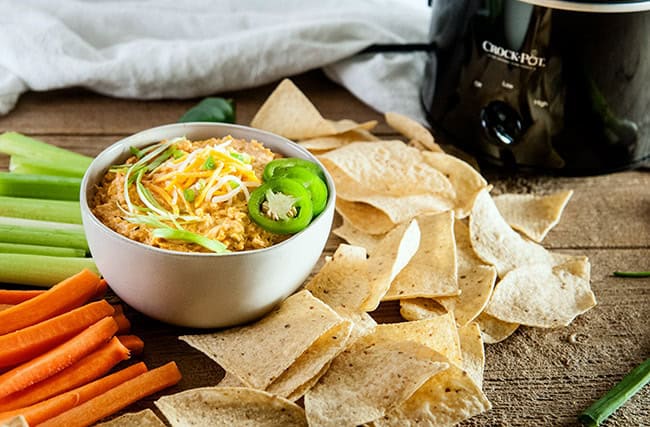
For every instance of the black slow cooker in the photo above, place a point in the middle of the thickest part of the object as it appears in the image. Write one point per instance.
(561, 86)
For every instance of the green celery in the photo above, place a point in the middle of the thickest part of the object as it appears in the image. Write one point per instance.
(39, 186)
(22, 165)
(42, 155)
(40, 270)
(40, 209)
(617, 396)
(16, 248)
(42, 233)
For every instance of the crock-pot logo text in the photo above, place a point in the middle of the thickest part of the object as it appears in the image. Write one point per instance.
(521, 59)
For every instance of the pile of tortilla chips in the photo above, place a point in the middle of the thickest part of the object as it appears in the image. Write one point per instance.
(421, 228)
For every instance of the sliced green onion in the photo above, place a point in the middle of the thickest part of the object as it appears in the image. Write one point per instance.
(242, 157)
(160, 159)
(40, 270)
(617, 396)
(15, 248)
(177, 154)
(45, 234)
(45, 156)
(188, 236)
(632, 273)
(40, 209)
(136, 151)
(189, 194)
(133, 170)
(209, 164)
(39, 186)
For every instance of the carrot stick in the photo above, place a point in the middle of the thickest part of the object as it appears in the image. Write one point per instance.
(102, 288)
(5, 306)
(58, 358)
(50, 408)
(117, 398)
(9, 296)
(85, 370)
(123, 324)
(67, 294)
(29, 342)
(133, 343)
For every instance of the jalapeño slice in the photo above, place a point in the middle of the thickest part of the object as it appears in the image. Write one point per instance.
(281, 206)
(311, 182)
(274, 166)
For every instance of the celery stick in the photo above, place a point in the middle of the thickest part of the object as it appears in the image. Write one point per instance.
(43, 155)
(40, 270)
(22, 165)
(15, 248)
(41, 209)
(32, 223)
(39, 186)
(45, 236)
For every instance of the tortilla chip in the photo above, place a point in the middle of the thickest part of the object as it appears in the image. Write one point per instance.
(475, 286)
(368, 379)
(420, 308)
(342, 282)
(230, 406)
(448, 398)
(17, 421)
(465, 255)
(471, 346)
(326, 143)
(288, 112)
(540, 295)
(494, 330)
(389, 176)
(309, 366)
(465, 180)
(439, 333)
(496, 243)
(364, 217)
(412, 130)
(356, 237)
(432, 270)
(533, 215)
(145, 418)
(284, 334)
(230, 380)
(390, 256)
(346, 125)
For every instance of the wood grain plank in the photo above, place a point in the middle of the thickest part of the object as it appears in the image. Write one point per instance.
(80, 112)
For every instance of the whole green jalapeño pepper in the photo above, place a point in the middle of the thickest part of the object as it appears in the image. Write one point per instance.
(316, 187)
(281, 206)
(275, 167)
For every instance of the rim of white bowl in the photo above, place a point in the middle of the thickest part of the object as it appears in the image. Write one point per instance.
(85, 207)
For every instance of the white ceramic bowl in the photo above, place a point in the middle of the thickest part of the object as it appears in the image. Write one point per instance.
(201, 290)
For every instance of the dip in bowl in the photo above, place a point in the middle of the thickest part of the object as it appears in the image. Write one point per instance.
(180, 281)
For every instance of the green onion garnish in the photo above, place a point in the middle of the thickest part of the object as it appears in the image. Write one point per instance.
(209, 164)
(189, 194)
(188, 236)
(617, 396)
(632, 273)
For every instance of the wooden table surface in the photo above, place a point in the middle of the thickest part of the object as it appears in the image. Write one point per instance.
(536, 377)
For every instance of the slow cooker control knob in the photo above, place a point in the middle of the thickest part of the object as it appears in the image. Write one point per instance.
(501, 122)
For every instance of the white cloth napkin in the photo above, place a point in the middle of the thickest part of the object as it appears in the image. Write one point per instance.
(177, 49)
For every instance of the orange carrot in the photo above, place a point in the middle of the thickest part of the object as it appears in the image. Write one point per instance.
(50, 408)
(123, 324)
(117, 398)
(66, 295)
(29, 342)
(85, 370)
(8, 296)
(58, 358)
(133, 343)
(5, 306)
(102, 288)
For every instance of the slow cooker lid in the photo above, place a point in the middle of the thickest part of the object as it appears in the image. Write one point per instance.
(612, 6)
